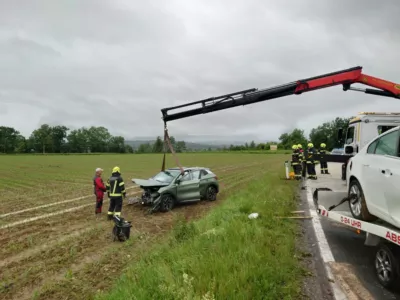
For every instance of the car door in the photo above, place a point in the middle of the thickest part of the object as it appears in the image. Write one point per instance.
(383, 176)
(188, 188)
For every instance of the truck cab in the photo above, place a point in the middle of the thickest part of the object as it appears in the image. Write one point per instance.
(365, 127)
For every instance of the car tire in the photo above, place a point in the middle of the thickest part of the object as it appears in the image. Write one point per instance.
(211, 193)
(167, 203)
(387, 268)
(358, 206)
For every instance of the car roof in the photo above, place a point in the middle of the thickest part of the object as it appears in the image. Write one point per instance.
(189, 168)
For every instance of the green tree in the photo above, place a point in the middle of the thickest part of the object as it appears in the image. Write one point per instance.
(128, 149)
(145, 148)
(327, 132)
(180, 146)
(9, 139)
(42, 139)
(58, 136)
(117, 144)
(252, 145)
(78, 141)
(158, 146)
(293, 138)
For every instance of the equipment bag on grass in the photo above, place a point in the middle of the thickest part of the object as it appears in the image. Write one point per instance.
(121, 230)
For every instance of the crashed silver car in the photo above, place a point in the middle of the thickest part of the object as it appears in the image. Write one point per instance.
(168, 188)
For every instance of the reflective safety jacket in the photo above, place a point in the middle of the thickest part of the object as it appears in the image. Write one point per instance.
(115, 186)
(296, 157)
(309, 158)
(301, 155)
(99, 187)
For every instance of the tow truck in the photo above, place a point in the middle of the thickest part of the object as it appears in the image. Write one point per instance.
(379, 234)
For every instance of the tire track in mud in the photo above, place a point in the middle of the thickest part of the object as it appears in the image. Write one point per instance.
(59, 259)
(40, 231)
(21, 204)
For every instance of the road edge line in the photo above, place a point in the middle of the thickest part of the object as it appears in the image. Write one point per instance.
(323, 246)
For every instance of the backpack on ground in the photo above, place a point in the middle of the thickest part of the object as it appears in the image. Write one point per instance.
(122, 229)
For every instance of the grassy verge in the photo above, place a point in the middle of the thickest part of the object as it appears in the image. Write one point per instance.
(224, 255)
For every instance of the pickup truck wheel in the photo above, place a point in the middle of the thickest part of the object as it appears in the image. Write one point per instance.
(387, 266)
(167, 203)
(211, 193)
(357, 205)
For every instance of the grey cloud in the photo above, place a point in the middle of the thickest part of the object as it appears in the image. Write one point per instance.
(116, 64)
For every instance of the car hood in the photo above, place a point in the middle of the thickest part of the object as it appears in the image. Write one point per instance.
(149, 182)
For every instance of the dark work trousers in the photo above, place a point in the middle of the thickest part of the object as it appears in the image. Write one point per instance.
(297, 170)
(115, 207)
(324, 167)
(311, 170)
(303, 169)
(99, 204)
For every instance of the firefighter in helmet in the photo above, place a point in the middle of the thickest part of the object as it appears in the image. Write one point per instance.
(116, 192)
(310, 161)
(302, 160)
(296, 163)
(324, 164)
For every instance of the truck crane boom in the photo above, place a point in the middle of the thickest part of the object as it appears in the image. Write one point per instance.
(344, 77)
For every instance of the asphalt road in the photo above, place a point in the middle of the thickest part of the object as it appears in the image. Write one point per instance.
(353, 260)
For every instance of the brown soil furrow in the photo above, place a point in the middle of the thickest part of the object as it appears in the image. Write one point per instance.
(90, 246)
(50, 229)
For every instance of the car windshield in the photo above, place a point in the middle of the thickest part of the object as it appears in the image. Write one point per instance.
(166, 176)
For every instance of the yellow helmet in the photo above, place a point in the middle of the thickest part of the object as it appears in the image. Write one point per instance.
(299, 146)
(323, 145)
(116, 170)
(310, 145)
(294, 147)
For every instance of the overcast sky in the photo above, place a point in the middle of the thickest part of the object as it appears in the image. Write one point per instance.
(117, 63)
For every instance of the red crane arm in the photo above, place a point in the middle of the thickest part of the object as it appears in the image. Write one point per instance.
(344, 77)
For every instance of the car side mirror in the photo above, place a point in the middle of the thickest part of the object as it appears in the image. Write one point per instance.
(348, 149)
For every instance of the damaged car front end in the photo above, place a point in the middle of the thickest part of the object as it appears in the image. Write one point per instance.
(154, 186)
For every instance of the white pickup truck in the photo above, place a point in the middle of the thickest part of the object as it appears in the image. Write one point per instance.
(373, 191)
(364, 128)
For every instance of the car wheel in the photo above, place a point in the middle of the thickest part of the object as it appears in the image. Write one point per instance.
(167, 203)
(387, 266)
(211, 193)
(357, 205)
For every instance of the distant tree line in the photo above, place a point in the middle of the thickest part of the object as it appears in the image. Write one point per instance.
(60, 139)
(324, 133)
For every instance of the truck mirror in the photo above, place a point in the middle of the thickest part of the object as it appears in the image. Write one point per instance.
(340, 134)
(348, 149)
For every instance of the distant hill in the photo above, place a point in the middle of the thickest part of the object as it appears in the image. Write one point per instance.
(189, 145)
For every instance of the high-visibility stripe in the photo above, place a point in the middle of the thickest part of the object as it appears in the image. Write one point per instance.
(115, 186)
(115, 194)
(121, 183)
(110, 213)
(117, 214)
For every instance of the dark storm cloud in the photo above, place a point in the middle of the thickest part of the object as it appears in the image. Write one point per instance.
(117, 63)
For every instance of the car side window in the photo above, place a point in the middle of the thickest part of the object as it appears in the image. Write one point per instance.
(387, 144)
(196, 174)
(372, 146)
(203, 173)
(186, 176)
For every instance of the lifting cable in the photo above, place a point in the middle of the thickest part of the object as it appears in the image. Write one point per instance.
(167, 142)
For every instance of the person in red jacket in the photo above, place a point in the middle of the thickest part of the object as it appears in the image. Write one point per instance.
(99, 190)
